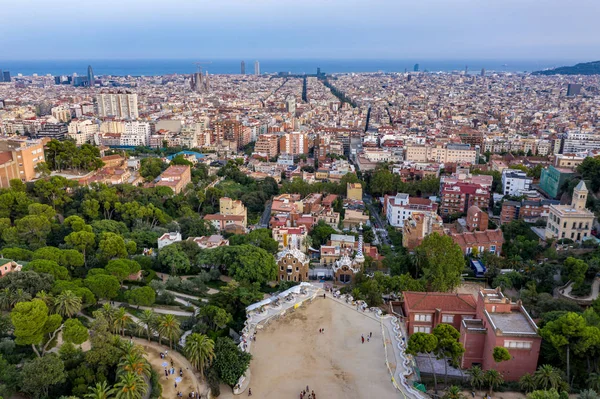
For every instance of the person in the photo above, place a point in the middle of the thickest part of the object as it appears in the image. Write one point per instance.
(324, 296)
(473, 394)
(249, 392)
(313, 394)
(307, 388)
(166, 374)
(175, 385)
(362, 339)
(171, 363)
(368, 338)
(370, 335)
(319, 331)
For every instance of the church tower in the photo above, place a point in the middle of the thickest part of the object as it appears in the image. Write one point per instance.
(579, 198)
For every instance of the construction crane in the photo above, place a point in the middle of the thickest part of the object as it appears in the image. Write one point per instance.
(199, 65)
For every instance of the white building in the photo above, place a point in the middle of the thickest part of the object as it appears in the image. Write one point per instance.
(121, 105)
(82, 131)
(400, 207)
(168, 239)
(515, 182)
(136, 134)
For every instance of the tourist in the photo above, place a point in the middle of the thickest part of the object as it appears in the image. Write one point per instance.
(166, 373)
(249, 392)
(307, 388)
(368, 338)
(370, 334)
(175, 385)
(313, 394)
(319, 331)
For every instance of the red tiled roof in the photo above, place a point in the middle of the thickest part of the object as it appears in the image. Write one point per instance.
(447, 302)
(478, 237)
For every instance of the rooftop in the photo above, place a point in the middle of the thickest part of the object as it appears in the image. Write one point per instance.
(513, 322)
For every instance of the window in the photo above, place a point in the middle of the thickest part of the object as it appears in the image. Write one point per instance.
(422, 329)
(517, 344)
(423, 317)
(492, 248)
(447, 318)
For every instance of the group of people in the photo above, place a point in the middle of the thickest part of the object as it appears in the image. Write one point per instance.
(172, 371)
(307, 394)
(369, 336)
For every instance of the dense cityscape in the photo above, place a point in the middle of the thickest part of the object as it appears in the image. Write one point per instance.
(438, 230)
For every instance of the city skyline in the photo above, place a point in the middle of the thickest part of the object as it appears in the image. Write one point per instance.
(351, 29)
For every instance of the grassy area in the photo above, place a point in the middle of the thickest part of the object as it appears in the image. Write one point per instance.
(215, 284)
(232, 189)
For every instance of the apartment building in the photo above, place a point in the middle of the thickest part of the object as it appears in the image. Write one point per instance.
(18, 159)
(295, 143)
(354, 191)
(118, 105)
(478, 242)
(230, 207)
(442, 153)
(286, 236)
(528, 210)
(82, 131)
(400, 207)
(572, 221)
(552, 180)
(418, 226)
(176, 177)
(457, 198)
(267, 146)
(424, 311)
(515, 182)
(136, 134)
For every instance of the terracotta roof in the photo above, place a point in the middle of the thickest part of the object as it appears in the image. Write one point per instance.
(478, 237)
(447, 302)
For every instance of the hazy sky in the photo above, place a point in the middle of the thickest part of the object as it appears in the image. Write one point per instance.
(393, 29)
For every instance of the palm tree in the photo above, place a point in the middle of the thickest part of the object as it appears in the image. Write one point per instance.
(134, 363)
(527, 383)
(20, 296)
(130, 386)
(476, 377)
(67, 303)
(547, 377)
(453, 392)
(6, 299)
(122, 320)
(129, 348)
(493, 378)
(148, 320)
(593, 381)
(46, 298)
(168, 326)
(200, 350)
(108, 312)
(100, 391)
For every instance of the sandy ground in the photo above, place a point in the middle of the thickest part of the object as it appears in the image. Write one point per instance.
(291, 354)
(189, 381)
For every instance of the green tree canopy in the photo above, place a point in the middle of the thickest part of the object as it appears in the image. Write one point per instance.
(230, 361)
(144, 296)
(245, 263)
(442, 262)
(103, 286)
(42, 373)
(75, 332)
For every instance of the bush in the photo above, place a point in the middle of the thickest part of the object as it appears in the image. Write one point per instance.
(155, 385)
(583, 290)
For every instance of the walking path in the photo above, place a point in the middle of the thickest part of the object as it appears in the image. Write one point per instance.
(157, 310)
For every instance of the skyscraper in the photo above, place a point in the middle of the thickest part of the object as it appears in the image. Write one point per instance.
(482, 72)
(243, 68)
(6, 76)
(416, 68)
(573, 89)
(256, 68)
(90, 76)
(120, 105)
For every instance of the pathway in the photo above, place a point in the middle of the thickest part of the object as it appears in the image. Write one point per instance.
(593, 295)
(157, 310)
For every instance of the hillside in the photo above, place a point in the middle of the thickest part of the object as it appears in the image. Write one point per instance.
(585, 68)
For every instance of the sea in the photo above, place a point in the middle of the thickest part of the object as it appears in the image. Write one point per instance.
(154, 67)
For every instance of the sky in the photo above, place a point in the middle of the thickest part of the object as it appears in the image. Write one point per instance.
(336, 29)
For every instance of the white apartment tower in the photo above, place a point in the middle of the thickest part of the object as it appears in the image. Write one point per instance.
(256, 68)
(119, 105)
(136, 134)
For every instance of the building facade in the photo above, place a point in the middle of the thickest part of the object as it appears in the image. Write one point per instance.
(572, 221)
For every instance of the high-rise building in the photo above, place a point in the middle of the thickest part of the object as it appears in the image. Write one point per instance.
(243, 68)
(1, 76)
(482, 72)
(18, 159)
(416, 68)
(573, 89)
(56, 131)
(90, 76)
(295, 143)
(256, 68)
(4, 76)
(290, 105)
(120, 105)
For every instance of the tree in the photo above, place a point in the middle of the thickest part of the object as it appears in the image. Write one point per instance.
(150, 168)
(527, 383)
(9, 377)
(112, 246)
(547, 377)
(99, 391)
(33, 230)
(448, 346)
(588, 394)
(67, 303)
(103, 286)
(130, 386)
(122, 268)
(75, 332)
(501, 354)
(423, 343)
(50, 267)
(321, 233)
(144, 296)
(243, 262)
(259, 238)
(575, 270)
(568, 330)
(174, 259)
(42, 373)
(83, 241)
(543, 394)
(476, 377)
(134, 363)
(230, 361)
(492, 378)
(29, 281)
(121, 320)
(148, 321)
(453, 392)
(442, 262)
(199, 349)
(32, 323)
(216, 317)
(168, 326)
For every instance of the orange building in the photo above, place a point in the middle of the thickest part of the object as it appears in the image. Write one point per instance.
(176, 177)
(18, 159)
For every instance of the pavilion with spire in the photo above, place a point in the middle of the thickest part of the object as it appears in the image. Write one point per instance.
(345, 268)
